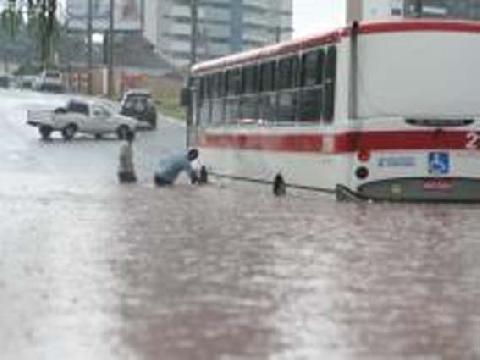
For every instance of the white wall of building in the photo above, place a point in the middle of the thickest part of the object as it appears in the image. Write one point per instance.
(371, 10)
(382, 9)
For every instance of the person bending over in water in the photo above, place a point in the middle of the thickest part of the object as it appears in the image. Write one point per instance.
(170, 168)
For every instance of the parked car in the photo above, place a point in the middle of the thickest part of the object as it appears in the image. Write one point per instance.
(138, 104)
(50, 81)
(4, 82)
(26, 82)
(81, 116)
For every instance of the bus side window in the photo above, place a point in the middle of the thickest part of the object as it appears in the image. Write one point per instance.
(249, 103)
(232, 110)
(287, 74)
(284, 74)
(312, 68)
(250, 79)
(234, 82)
(207, 86)
(200, 86)
(267, 76)
(312, 86)
(230, 83)
(267, 103)
(209, 91)
(330, 79)
(222, 91)
(216, 104)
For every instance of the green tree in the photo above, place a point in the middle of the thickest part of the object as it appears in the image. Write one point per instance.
(41, 22)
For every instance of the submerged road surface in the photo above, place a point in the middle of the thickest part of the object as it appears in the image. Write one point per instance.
(93, 270)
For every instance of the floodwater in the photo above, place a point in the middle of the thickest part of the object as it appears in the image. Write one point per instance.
(93, 270)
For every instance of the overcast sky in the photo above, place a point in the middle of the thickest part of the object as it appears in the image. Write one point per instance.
(317, 15)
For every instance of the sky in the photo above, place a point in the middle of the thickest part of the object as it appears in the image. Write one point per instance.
(317, 15)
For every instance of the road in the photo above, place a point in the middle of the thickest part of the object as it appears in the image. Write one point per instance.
(90, 269)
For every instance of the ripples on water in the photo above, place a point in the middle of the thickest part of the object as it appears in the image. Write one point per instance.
(229, 272)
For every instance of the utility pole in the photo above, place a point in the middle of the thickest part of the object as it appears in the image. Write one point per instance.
(193, 60)
(194, 43)
(89, 45)
(111, 73)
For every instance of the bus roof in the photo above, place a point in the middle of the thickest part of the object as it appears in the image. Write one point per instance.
(335, 36)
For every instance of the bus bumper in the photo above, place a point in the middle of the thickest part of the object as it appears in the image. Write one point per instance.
(463, 190)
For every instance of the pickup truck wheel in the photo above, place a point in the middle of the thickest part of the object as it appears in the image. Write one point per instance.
(122, 132)
(45, 132)
(69, 131)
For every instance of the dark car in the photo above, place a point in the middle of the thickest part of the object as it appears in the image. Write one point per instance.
(139, 105)
(4, 82)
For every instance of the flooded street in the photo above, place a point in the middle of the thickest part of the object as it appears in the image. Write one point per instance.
(93, 270)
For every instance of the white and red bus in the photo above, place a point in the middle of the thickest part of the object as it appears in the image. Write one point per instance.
(382, 111)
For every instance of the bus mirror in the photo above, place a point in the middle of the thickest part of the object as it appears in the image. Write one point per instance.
(185, 97)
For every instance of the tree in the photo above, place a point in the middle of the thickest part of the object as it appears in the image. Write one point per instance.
(41, 21)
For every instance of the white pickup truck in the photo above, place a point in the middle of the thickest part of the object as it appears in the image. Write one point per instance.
(81, 116)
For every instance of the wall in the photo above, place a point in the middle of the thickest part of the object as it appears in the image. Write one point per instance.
(374, 9)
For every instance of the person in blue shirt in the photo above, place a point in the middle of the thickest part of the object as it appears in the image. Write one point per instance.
(171, 167)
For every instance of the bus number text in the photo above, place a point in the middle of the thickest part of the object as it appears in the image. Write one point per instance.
(473, 141)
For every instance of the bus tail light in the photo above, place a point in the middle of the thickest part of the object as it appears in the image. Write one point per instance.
(364, 155)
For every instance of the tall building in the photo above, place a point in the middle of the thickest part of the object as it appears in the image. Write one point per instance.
(391, 9)
(225, 26)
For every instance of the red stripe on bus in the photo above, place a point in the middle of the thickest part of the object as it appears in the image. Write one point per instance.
(420, 26)
(296, 143)
(339, 143)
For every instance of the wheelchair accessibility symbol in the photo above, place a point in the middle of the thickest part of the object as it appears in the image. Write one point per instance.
(438, 163)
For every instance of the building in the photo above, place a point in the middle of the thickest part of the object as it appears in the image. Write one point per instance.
(398, 9)
(225, 26)
(374, 9)
(455, 9)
